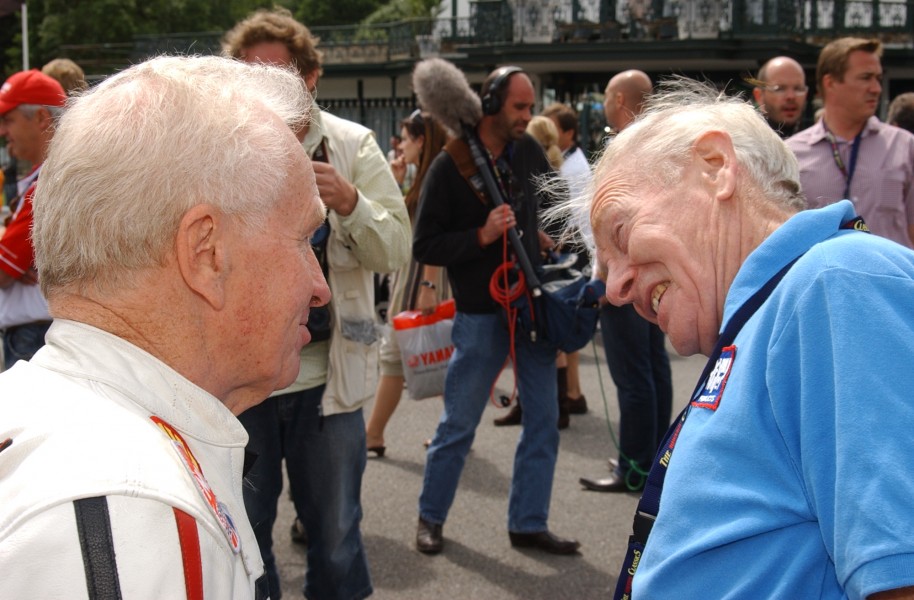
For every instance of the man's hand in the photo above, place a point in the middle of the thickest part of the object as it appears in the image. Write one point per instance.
(338, 194)
(498, 221)
(546, 242)
(398, 168)
(427, 300)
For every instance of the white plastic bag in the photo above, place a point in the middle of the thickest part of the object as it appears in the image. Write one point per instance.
(425, 348)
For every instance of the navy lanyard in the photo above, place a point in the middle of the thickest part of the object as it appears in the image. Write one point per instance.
(649, 504)
(847, 171)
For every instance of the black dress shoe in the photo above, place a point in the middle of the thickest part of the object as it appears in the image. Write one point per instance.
(378, 450)
(616, 482)
(513, 417)
(428, 537)
(544, 540)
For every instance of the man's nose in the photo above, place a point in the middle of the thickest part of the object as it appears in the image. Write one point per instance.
(320, 294)
(620, 281)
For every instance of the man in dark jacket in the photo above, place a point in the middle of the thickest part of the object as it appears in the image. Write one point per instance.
(460, 228)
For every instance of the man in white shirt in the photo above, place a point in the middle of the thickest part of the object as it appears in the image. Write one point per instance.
(316, 424)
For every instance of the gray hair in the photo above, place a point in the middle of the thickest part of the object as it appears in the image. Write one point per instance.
(656, 147)
(29, 110)
(133, 154)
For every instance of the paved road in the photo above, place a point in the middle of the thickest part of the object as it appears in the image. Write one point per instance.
(478, 561)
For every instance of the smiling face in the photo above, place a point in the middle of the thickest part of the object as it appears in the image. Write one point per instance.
(655, 247)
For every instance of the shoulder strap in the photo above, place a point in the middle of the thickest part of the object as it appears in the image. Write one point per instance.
(97, 543)
(459, 151)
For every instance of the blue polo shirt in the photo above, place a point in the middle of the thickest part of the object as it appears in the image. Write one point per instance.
(798, 482)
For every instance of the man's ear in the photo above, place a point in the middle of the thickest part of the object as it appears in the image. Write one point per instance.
(311, 80)
(44, 118)
(201, 252)
(757, 94)
(714, 154)
(828, 82)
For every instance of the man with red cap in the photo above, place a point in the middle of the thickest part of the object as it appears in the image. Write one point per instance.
(29, 105)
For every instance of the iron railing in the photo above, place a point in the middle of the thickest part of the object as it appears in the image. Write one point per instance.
(494, 22)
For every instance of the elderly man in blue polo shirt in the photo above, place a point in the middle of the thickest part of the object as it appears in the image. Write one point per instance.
(785, 477)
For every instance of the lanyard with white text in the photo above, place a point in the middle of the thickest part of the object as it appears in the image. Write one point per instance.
(847, 171)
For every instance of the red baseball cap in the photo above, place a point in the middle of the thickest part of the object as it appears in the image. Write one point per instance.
(30, 87)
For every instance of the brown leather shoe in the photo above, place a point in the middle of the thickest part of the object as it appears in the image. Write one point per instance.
(429, 539)
(513, 417)
(545, 541)
(576, 406)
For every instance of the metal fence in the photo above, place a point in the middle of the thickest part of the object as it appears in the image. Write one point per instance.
(556, 21)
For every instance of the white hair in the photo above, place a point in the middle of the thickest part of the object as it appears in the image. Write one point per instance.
(132, 155)
(658, 144)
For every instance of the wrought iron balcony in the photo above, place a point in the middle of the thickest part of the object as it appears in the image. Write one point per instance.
(499, 22)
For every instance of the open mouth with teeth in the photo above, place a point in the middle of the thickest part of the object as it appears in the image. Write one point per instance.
(657, 295)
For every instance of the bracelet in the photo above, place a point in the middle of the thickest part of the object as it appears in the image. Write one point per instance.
(428, 284)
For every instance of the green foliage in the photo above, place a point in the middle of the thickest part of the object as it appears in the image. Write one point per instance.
(403, 10)
(315, 13)
(57, 23)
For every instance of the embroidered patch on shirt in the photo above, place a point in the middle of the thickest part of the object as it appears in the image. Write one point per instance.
(196, 472)
(717, 380)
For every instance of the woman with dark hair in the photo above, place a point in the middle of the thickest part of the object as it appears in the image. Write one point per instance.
(415, 286)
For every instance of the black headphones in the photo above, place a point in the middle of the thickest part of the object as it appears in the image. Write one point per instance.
(491, 100)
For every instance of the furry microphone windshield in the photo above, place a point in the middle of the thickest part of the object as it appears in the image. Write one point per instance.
(443, 91)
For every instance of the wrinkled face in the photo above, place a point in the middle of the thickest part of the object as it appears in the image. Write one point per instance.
(276, 280)
(857, 95)
(517, 109)
(784, 97)
(24, 139)
(411, 147)
(653, 247)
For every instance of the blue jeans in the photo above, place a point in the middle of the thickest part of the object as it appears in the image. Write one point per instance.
(325, 460)
(640, 368)
(481, 345)
(23, 341)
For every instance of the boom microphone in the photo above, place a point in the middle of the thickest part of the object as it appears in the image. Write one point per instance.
(442, 90)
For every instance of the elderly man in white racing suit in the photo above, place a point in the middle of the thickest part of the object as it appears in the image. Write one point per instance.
(316, 424)
(181, 282)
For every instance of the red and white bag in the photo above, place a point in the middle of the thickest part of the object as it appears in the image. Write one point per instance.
(425, 348)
